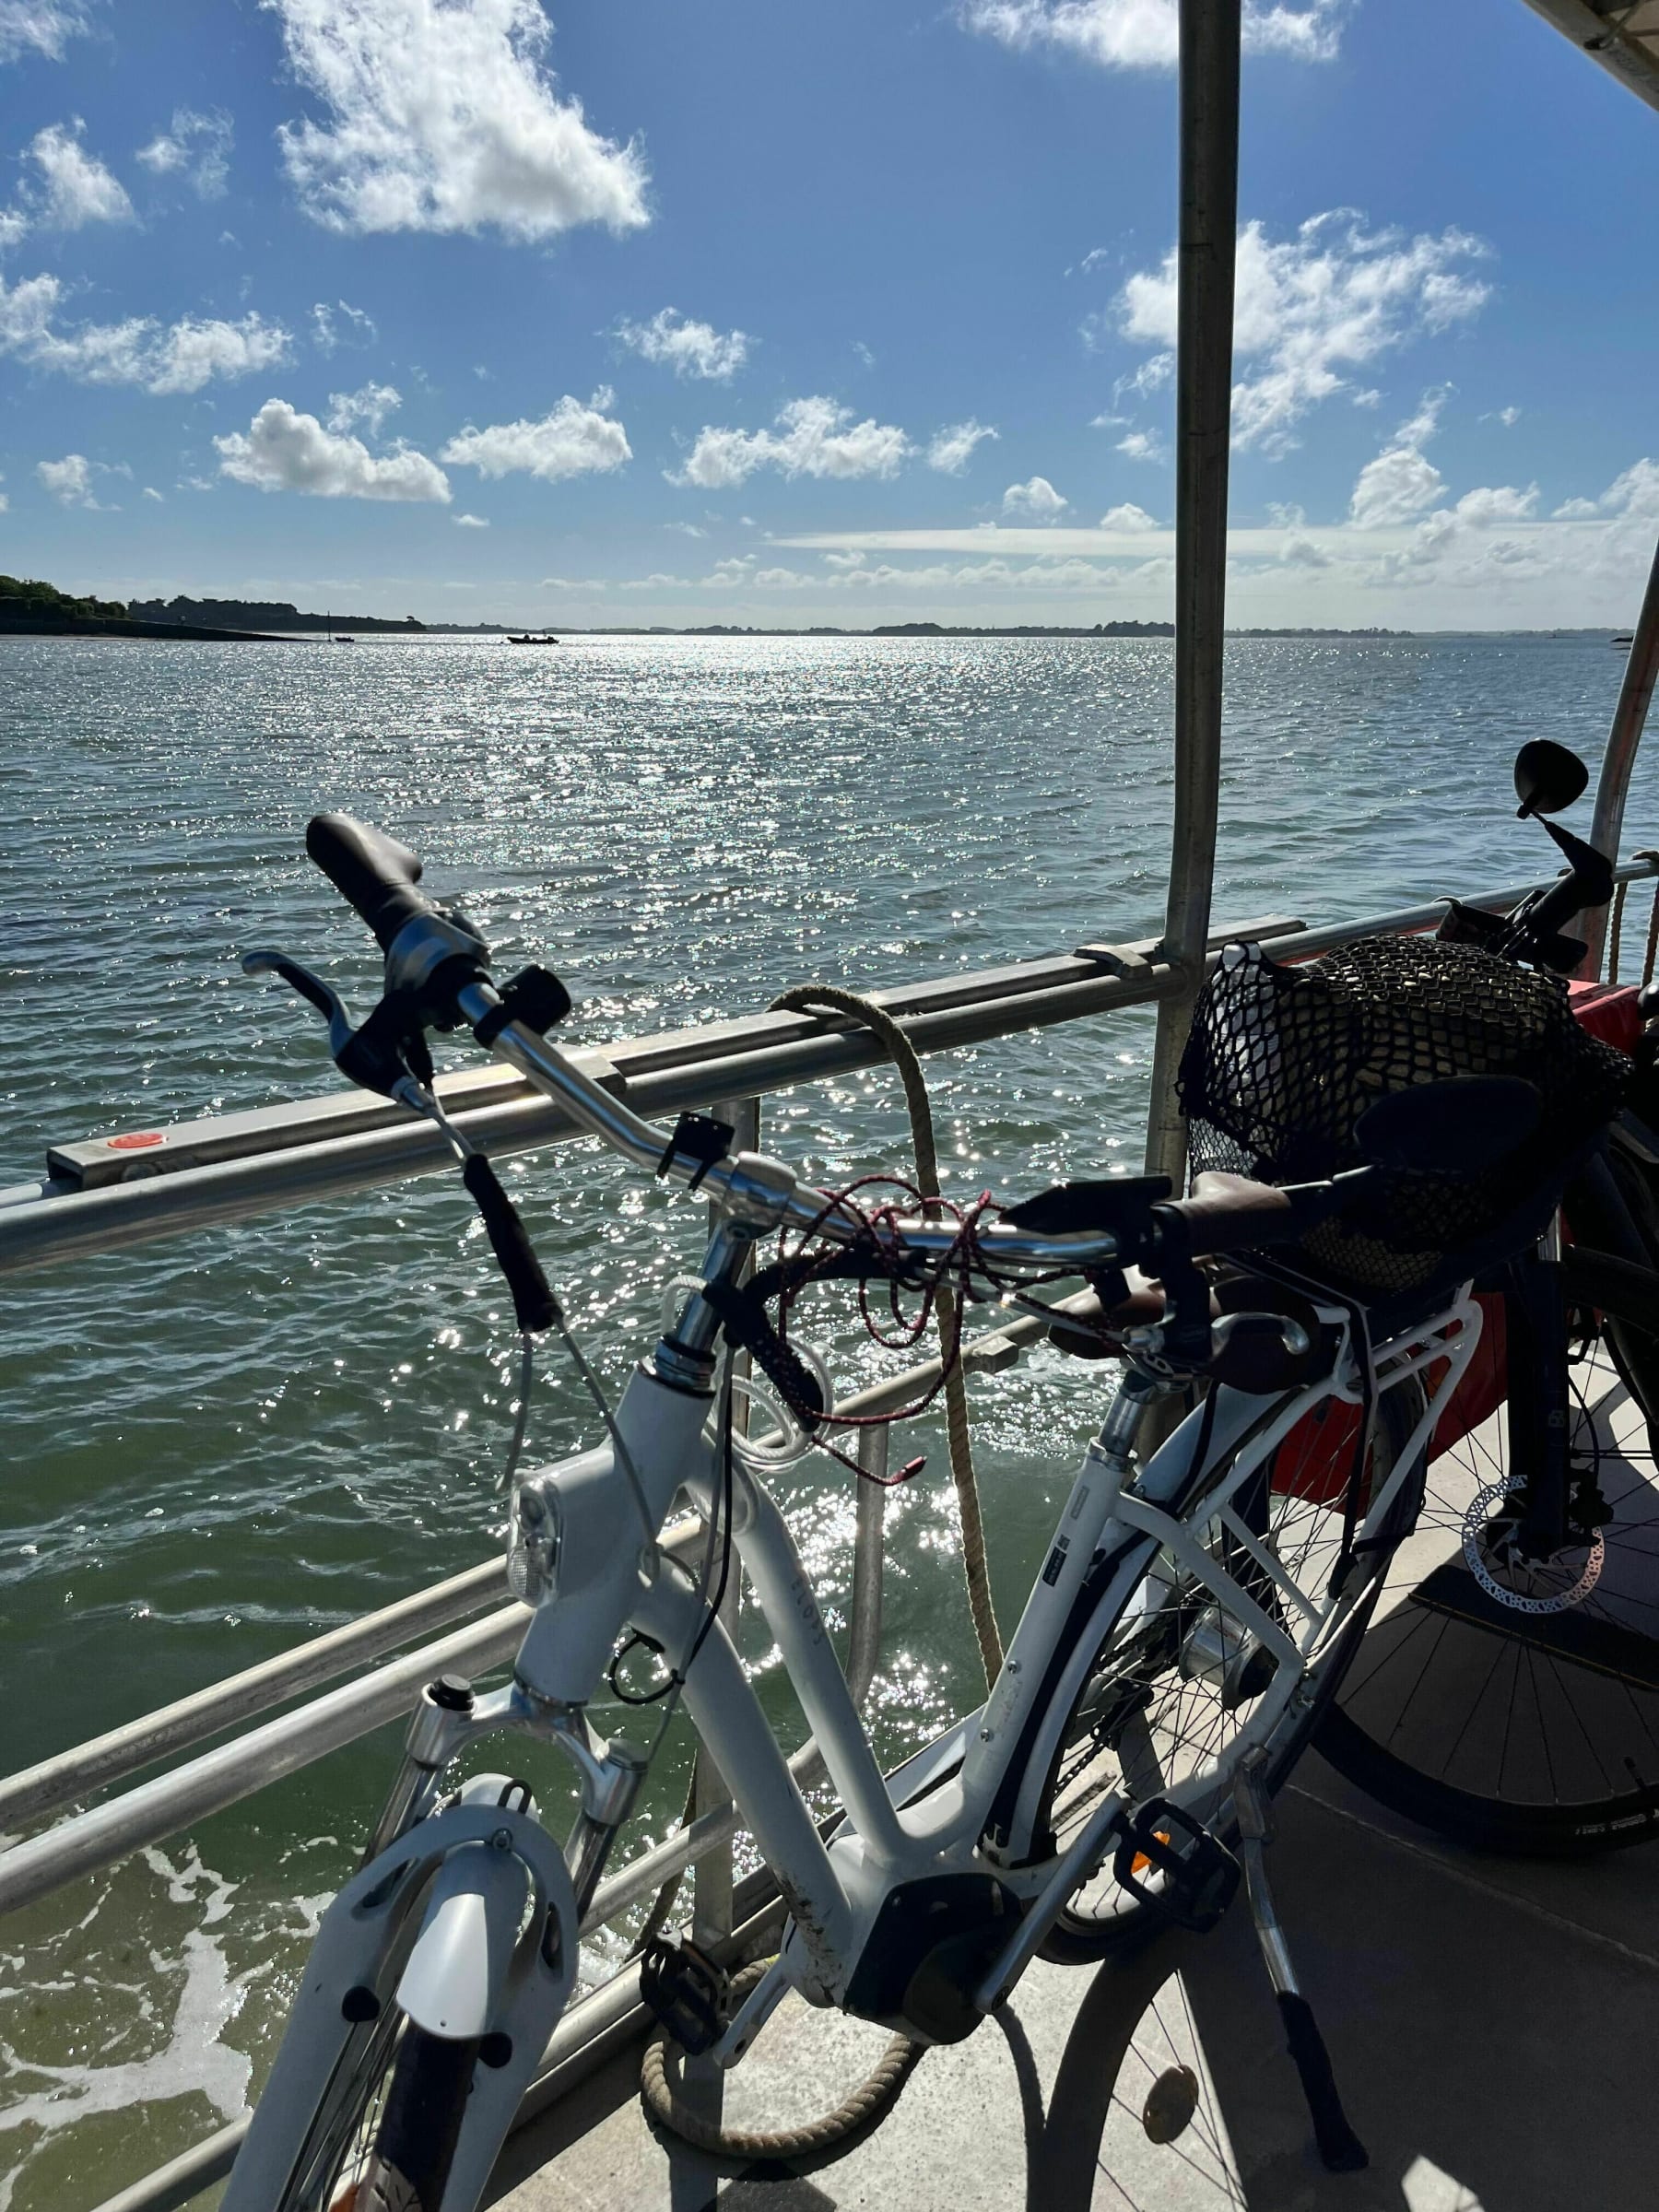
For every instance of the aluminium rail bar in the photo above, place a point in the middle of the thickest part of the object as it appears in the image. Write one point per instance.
(42, 1225)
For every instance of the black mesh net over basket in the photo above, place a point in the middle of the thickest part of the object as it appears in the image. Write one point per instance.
(1282, 1062)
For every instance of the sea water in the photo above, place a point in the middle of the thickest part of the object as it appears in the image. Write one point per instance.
(221, 1445)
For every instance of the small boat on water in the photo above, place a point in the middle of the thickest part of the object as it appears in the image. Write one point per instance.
(528, 639)
(1624, 641)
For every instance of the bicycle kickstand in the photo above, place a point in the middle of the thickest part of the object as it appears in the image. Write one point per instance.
(1339, 2148)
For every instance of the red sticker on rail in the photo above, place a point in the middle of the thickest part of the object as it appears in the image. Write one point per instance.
(136, 1140)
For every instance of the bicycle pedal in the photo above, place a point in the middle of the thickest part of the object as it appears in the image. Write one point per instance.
(687, 1991)
(1200, 1875)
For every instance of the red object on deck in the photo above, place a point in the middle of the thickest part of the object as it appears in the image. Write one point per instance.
(1607, 1011)
(1317, 1459)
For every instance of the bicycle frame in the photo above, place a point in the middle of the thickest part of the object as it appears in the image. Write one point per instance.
(934, 1819)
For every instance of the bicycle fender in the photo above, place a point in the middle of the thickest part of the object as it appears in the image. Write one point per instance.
(366, 1944)
(453, 1982)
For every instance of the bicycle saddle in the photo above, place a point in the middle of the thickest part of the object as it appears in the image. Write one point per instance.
(1216, 1196)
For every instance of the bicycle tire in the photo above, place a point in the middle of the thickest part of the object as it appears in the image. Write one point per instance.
(419, 2127)
(1529, 1733)
(384, 2136)
(1635, 1348)
(1303, 1533)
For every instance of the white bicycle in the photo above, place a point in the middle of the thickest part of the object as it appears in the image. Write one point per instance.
(1192, 1616)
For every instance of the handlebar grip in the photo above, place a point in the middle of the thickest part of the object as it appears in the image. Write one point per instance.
(371, 872)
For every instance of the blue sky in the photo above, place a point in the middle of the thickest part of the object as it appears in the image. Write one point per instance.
(650, 312)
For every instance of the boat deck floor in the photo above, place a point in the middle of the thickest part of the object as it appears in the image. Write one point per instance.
(1492, 2024)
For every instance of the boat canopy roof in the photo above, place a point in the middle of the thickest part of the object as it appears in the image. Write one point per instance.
(1622, 35)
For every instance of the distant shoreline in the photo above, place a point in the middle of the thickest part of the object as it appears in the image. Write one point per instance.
(167, 632)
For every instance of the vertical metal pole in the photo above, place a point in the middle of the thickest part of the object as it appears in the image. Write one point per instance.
(863, 1633)
(1209, 224)
(712, 1873)
(1624, 736)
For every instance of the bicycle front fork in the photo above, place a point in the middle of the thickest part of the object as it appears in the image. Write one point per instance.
(449, 1717)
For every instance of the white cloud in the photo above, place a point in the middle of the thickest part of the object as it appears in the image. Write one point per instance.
(195, 146)
(284, 450)
(471, 521)
(1141, 445)
(1036, 499)
(151, 493)
(14, 226)
(69, 480)
(1151, 376)
(572, 441)
(1635, 493)
(1492, 505)
(1300, 551)
(814, 438)
(369, 406)
(1312, 308)
(192, 353)
(1402, 481)
(76, 187)
(689, 348)
(37, 26)
(952, 448)
(850, 573)
(182, 358)
(1144, 34)
(443, 118)
(1127, 517)
(358, 329)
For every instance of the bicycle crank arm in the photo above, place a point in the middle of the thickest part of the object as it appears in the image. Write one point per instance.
(1086, 1851)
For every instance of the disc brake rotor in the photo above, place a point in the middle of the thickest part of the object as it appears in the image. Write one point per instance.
(1551, 1585)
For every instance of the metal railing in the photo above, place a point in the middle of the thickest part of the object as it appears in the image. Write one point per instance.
(231, 1169)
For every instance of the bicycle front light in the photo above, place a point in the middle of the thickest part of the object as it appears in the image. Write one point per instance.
(533, 1550)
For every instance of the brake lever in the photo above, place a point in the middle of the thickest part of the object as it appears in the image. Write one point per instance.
(312, 988)
(383, 1054)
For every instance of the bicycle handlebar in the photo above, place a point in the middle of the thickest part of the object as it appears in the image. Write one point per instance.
(377, 877)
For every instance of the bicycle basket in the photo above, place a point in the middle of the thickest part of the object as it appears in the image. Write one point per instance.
(1282, 1062)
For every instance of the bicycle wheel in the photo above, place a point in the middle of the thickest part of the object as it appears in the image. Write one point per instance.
(384, 2137)
(1174, 1683)
(1514, 1703)
(1635, 1348)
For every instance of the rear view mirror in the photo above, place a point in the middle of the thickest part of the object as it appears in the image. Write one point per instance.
(1453, 1128)
(1548, 777)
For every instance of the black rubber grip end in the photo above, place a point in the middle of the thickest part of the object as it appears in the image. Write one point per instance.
(1340, 2148)
(371, 872)
(533, 1301)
